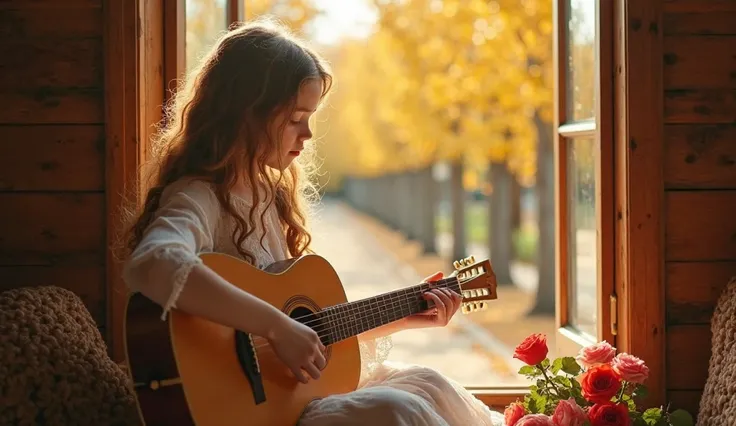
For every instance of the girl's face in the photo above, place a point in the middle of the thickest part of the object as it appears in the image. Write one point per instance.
(296, 125)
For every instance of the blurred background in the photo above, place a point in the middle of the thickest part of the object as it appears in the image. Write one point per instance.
(436, 144)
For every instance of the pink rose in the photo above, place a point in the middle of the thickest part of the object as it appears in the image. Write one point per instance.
(569, 413)
(535, 420)
(513, 413)
(599, 353)
(630, 368)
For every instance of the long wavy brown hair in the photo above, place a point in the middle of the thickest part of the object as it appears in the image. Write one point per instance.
(217, 130)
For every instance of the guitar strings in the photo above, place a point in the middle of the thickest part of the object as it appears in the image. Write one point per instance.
(373, 312)
(353, 310)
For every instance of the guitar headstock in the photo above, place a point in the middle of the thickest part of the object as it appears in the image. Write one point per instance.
(477, 283)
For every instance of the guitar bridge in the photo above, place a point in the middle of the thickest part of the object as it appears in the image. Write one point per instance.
(248, 360)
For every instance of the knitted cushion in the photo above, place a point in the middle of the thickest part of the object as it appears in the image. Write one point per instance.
(54, 367)
(718, 403)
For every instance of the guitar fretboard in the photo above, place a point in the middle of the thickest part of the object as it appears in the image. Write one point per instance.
(346, 320)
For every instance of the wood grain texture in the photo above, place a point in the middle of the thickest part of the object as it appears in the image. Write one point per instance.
(52, 158)
(698, 62)
(49, 4)
(693, 289)
(700, 156)
(700, 225)
(50, 62)
(121, 148)
(639, 254)
(52, 228)
(52, 106)
(699, 6)
(688, 354)
(700, 23)
(87, 282)
(705, 106)
(61, 22)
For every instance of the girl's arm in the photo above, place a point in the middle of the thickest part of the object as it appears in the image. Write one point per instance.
(165, 266)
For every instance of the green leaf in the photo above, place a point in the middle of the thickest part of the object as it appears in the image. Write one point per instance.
(556, 365)
(545, 363)
(529, 370)
(652, 416)
(570, 366)
(640, 391)
(640, 422)
(681, 418)
(537, 403)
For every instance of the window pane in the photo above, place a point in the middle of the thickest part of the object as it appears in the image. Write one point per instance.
(206, 20)
(581, 54)
(582, 237)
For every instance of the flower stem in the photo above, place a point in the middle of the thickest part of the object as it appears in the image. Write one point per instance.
(621, 393)
(544, 372)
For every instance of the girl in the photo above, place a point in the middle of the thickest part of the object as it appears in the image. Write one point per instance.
(231, 180)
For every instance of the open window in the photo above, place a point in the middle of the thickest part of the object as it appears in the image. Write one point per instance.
(584, 172)
(583, 142)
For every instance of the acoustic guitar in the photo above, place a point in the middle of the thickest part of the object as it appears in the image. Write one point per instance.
(187, 370)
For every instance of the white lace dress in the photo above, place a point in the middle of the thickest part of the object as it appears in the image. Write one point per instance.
(190, 221)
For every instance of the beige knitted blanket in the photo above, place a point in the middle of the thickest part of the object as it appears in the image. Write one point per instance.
(718, 403)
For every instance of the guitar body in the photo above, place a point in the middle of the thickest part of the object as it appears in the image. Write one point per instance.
(188, 370)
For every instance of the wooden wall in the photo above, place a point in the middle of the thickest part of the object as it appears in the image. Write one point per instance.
(700, 182)
(52, 148)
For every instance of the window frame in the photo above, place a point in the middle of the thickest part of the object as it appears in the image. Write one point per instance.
(601, 129)
(630, 110)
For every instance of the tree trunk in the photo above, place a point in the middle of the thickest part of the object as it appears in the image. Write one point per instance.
(515, 203)
(457, 194)
(428, 211)
(545, 303)
(500, 220)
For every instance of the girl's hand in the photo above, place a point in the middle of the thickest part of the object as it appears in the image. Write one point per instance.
(446, 303)
(298, 346)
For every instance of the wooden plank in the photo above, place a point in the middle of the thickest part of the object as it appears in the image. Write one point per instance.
(693, 289)
(50, 63)
(699, 6)
(699, 62)
(49, 158)
(705, 23)
(121, 148)
(700, 156)
(48, 4)
(688, 345)
(52, 106)
(700, 225)
(62, 21)
(88, 282)
(708, 106)
(686, 399)
(48, 228)
(639, 252)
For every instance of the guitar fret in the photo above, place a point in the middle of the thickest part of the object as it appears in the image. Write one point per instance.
(353, 318)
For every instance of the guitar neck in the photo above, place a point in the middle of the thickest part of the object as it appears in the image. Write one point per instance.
(351, 319)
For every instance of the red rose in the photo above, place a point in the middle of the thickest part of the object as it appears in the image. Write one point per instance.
(513, 413)
(609, 414)
(600, 384)
(532, 350)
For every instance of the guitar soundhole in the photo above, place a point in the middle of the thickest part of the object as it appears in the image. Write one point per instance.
(314, 321)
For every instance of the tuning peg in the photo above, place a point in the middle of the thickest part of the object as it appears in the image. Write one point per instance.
(457, 264)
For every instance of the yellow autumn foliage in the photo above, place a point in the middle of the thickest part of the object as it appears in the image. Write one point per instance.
(439, 80)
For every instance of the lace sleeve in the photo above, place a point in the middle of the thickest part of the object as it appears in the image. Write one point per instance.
(181, 229)
(373, 353)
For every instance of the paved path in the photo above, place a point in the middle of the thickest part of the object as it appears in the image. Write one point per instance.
(366, 269)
